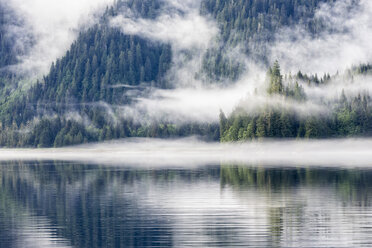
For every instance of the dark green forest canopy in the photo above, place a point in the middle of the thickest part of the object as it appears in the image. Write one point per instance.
(101, 64)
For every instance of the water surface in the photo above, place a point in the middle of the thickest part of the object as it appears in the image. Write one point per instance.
(69, 204)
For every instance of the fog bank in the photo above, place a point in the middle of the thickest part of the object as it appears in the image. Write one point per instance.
(50, 26)
(343, 42)
(193, 152)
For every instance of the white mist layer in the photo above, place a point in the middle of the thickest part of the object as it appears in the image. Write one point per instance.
(54, 25)
(192, 152)
(204, 104)
(192, 104)
(182, 31)
(345, 42)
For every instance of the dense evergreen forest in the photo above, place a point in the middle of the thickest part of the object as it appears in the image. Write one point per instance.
(78, 100)
(350, 116)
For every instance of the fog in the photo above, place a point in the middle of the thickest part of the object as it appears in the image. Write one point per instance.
(195, 104)
(204, 105)
(179, 24)
(193, 152)
(344, 42)
(50, 26)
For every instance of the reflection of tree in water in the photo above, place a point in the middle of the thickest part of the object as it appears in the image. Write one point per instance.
(93, 206)
(7, 209)
(353, 185)
(294, 195)
(20, 227)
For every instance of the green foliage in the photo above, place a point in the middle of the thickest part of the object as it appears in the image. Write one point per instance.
(58, 132)
(101, 66)
(351, 117)
(275, 80)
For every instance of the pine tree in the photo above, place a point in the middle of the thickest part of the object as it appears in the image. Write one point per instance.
(275, 80)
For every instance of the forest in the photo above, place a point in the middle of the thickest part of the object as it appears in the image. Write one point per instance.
(79, 99)
(349, 116)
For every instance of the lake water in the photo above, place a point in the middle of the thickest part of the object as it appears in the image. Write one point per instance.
(69, 204)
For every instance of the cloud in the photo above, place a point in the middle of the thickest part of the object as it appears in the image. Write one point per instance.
(343, 42)
(195, 103)
(183, 31)
(203, 104)
(51, 26)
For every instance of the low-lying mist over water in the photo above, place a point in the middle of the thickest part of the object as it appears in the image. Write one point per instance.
(191, 152)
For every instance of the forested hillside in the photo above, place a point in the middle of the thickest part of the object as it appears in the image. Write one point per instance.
(102, 69)
(80, 99)
(100, 66)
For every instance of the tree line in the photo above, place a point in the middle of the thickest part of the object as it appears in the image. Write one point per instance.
(349, 116)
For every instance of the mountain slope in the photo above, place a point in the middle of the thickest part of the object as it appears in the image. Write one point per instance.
(82, 96)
